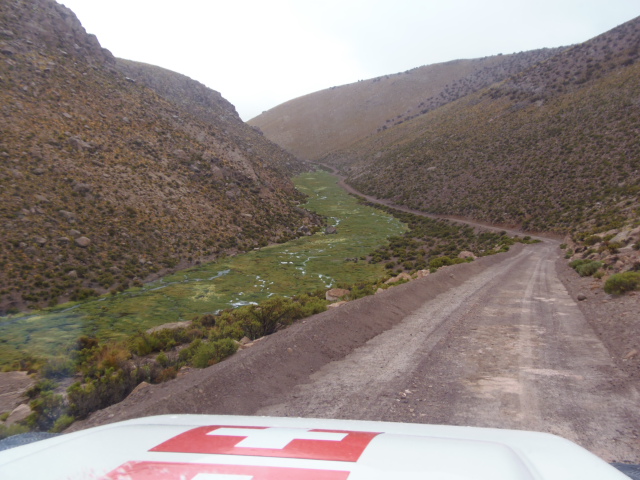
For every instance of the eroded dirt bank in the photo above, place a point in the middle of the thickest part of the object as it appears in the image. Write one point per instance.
(499, 342)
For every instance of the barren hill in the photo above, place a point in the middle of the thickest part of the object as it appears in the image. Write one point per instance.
(112, 171)
(326, 121)
(554, 147)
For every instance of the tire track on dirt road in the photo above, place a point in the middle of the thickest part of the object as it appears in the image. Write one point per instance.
(508, 348)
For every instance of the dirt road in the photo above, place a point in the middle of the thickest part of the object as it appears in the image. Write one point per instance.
(508, 348)
(495, 343)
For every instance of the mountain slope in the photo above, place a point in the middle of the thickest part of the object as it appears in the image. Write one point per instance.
(106, 181)
(322, 122)
(554, 147)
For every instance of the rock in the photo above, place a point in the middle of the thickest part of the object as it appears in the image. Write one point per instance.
(337, 304)
(140, 387)
(17, 174)
(379, 290)
(79, 144)
(245, 340)
(423, 273)
(397, 278)
(330, 230)
(72, 274)
(581, 297)
(83, 242)
(6, 50)
(82, 188)
(75, 233)
(632, 354)
(335, 294)
(69, 216)
(40, 241)
(467, 254)
(13, 388)
(63, 240)
(42, 198)
(304, 230)
(18, 414)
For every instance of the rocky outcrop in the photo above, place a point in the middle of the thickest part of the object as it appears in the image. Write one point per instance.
(336, 294)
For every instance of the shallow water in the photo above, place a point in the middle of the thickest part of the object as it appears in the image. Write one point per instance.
(295, 267)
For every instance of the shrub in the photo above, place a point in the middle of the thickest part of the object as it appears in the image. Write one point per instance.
(589, 268)
(620, 283)
(264, 319)
(9, 431)
(592, 240)
(45, 411)
(213, 352)
(57, 367)
(62, 423)
(439, 262)
(585, 268)
(42, 386)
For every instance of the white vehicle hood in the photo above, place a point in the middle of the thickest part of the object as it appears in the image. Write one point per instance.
(212, 447)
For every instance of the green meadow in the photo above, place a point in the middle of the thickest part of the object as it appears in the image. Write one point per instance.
(302, 265)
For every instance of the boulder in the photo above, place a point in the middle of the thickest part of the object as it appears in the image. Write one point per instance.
(397, 278)
(467, 254)
(18, 414)
(336, 293)
(423, 273)
(330, 230)
(337, 304)
(40, 241)
(69, 216)
(83, 242)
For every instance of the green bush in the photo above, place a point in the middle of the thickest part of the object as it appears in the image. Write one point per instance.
(44, 385)
(592, 240)
(439, 262)
(620, 283)
(11, 430)
(213, 352)
(588, 269)
(45, 410)
(62, 423)
(584, 267)
(58, 367)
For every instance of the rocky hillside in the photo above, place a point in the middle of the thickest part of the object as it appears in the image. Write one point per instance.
(552, 148)
(326, 121)
(111, 171)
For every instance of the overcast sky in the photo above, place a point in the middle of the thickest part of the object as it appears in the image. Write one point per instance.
(260, 53)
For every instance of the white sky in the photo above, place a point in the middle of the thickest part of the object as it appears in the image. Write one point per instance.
(260, 53)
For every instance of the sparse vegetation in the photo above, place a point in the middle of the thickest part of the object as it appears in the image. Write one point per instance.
(620, 283)
(585, 268)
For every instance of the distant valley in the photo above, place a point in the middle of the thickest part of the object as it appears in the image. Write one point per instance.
(543, 141)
